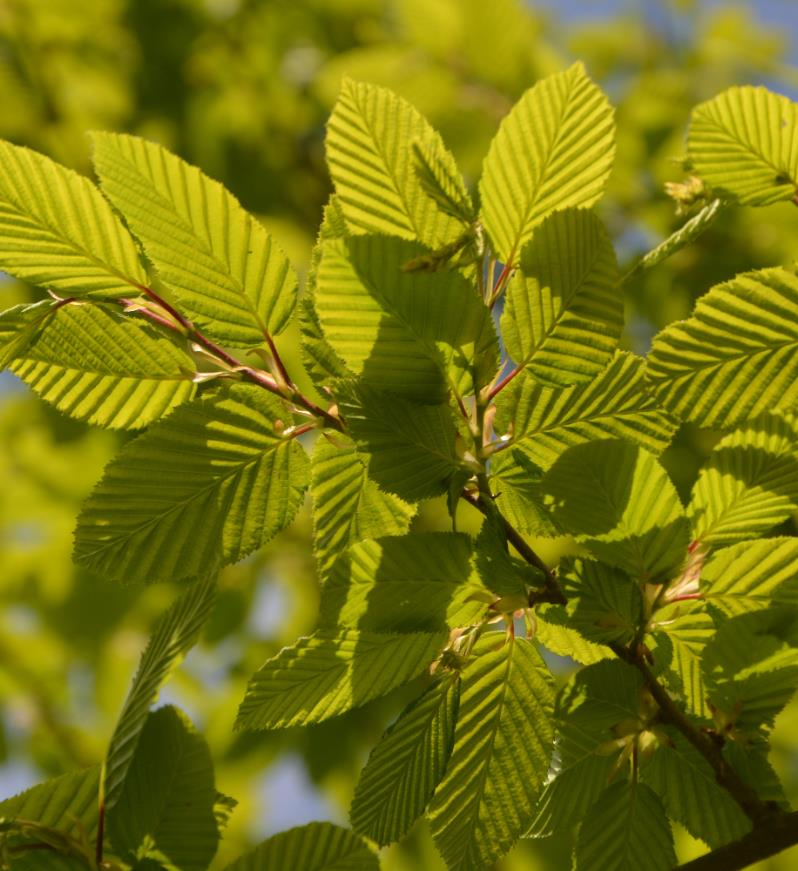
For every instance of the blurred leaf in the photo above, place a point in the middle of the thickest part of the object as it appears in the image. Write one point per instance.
(314, 847)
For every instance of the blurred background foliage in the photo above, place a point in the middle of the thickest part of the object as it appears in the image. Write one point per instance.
(243, 88)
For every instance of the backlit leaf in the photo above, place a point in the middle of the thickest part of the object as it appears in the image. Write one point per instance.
(204, 487)
(230, 276)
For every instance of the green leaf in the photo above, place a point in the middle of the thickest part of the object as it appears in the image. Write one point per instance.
(347, 505)
(604, 603)
(751, 667)
(175, 634)
(205, 487)
(413, 333)
(751, 576)
(58, 231)
(564, 311)
(501, 755)
(626, 830)
(593, 705)
(554, 631)
(615, 404)
(166, 805)
(68, 804)
(404, 769)
(516, 483)
(553, 151)
(372, 167)
(749, 484)
(318, 356)
(736, 357)
(411, 448)
(314, 847)
(229, 275)
(679, 239)
(330, 672)
(107, 369)
(744, 144)
(440, 179)
(19, 326)
(505, 575)
(423, 581)
(677, 645)
(619, 502)
(686, 783)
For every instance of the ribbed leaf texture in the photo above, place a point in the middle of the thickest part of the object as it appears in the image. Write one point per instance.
(554, 631)
(330, 672)
(411, 448)
(58, 231)
(107, 369)
(570, 794)
(686, 783)
(405, 767)
(205, 487)
(519, 495)
(422, 581)
(615, 404)
(619, 502)
(749, 484)
(591, 704)
(744, 144)
(68, 804)
(314, 847)
(441, 180)
(627, 830)
(736, 357)
(564, 312)
(19, 326)
(230, 276)
(168, 797)
(589, 707)
(372, 165)
(347, 505)
(603, 602)
(751, 667)
(502, 751)
(679, 239)
(319, 358)
(175, 634)
(678, 646)
(554, 150)
(748, 577)
(414, 333)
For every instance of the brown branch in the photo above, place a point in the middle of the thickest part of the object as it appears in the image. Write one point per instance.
(286, 390)
(754, 808)
(766, 839)
(552, 591)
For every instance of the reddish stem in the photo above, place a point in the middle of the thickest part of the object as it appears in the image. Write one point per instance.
(504, 382)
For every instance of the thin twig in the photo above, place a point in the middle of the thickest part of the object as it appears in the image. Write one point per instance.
(765, 839)
(552, 591)
(750, 803)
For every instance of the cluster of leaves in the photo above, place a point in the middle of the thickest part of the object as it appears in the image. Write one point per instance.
(163, 290)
